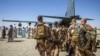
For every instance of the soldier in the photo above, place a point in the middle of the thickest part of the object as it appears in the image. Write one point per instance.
(85, 38)
(41, 34)
(56, 40)
(71, 37)
(48, 40)
(63, 32)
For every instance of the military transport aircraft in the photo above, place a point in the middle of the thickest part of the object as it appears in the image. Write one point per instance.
(67, 19)
(70, 13)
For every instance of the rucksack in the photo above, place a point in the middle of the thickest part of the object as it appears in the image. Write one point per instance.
(93, 35)
(42, 31)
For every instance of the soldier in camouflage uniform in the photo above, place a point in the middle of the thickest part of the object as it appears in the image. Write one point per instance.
(84, 41)
(73, 36)
(62, 35)
(41, 34)
(55, 40)
(48, 41)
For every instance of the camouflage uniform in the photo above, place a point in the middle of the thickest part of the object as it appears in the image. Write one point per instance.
(73, 33)
(84, 46)
(55, 42)
(93, 42)
(41, 46)
(48, 41)
(92, 34)
(63, 38)
(41, 40)
(49, 46)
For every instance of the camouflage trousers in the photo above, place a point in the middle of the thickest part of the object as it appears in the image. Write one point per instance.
(74, 43)
(41, 46)
(85, 52)
(63, 45)
(93, 46)
(48, 47)
(76, 46)
(55, 51)
(78, 50)
(52, 49)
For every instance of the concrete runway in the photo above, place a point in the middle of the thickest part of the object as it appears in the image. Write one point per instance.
(20, 47)
(25, 47)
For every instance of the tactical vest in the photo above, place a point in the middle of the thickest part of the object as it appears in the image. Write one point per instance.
(63, 31)
(75, 30)
(55, 32)
(62, 34)
(57, 39)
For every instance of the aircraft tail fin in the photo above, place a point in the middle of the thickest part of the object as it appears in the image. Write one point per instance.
(70, 9)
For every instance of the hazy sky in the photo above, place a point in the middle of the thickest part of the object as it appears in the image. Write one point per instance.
(30, 9)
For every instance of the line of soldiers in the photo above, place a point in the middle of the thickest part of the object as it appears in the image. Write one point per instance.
(78, 39)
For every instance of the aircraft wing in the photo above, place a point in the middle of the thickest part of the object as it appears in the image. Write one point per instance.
(86, 18)
(23, 21)
(59, 17)
(17, 21)
(89, 19)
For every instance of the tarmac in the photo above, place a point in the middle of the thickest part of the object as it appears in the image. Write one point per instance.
(20, 47)
(25, 47)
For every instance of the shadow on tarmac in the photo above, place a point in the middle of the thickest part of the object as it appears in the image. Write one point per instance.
(17, 41)
(93, 55)
(1, 39)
